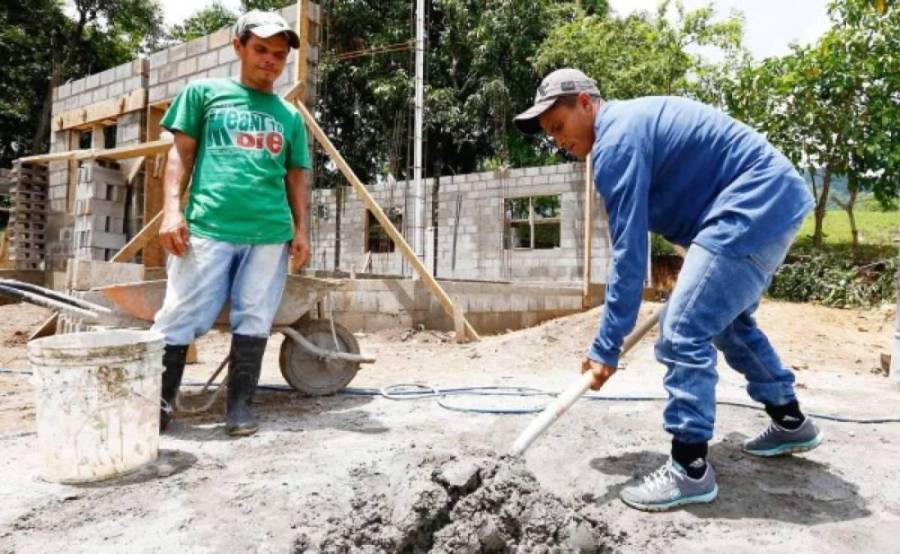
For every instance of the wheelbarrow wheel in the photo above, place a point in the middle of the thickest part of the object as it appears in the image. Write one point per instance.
(310, 374)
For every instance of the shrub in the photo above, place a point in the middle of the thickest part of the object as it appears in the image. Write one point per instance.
(835, 279)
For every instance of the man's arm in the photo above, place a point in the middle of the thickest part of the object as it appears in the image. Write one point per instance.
(298, 198)
(173, 231)
(628, 173)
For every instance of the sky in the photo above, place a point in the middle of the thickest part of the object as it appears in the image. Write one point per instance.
(770, 25)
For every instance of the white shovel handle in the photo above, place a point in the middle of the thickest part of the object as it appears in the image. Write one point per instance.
(564, 401)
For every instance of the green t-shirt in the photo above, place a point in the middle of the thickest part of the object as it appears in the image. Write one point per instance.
(246, 142)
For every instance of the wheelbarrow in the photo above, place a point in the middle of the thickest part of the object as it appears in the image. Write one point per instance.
(318, 356)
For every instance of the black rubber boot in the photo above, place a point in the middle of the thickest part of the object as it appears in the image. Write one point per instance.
(243, 375)
(174, 356)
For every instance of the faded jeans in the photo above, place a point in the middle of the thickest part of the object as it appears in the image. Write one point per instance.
(250, 276)
(712, 305)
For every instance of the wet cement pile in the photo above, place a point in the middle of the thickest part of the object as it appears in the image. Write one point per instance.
(455, 505)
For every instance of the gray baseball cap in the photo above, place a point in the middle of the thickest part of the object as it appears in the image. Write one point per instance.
(265, 25)
(562, 82)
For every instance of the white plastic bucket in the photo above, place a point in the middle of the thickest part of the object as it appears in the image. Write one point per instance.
(98, 397)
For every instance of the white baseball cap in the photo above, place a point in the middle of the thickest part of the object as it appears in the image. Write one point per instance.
(562, 82)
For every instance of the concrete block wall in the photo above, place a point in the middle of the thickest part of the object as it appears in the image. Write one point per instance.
(213, 56)
(480, 252)
(112, 83)
(81, 93)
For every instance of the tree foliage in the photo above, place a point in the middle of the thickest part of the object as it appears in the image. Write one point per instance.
(478, 76)
(42, 47)
(833, 106)
(647, 54)
(205, 21)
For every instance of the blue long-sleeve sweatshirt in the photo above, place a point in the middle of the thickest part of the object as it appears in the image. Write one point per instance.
(690, 173)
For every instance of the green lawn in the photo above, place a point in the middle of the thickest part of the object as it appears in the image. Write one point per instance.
(877, 230)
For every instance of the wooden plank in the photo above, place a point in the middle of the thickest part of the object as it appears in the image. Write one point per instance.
(153, 254)
(459, 323)
(588, 231)
(119, 153)
(98, 111)
(302, 73)
(376, 210)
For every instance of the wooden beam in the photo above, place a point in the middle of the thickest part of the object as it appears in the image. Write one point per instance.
(376, 210)
(588, 230)
(120, 153)
(301, 76)
(107, 109)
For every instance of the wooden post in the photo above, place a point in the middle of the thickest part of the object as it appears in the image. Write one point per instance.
(459, 323)
(376, 210)
(301, 75)
(588, 230)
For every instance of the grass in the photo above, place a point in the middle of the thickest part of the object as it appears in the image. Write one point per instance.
(877, 232)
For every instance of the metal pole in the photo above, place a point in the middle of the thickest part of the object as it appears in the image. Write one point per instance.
(418, 230)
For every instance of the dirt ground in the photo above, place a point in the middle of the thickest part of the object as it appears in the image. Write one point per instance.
(342, 470)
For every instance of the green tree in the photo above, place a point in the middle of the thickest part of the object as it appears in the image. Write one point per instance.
(264, 5)
(645, 54)
(205, 21)
(832, 107)
(42, 48)
(478, 76)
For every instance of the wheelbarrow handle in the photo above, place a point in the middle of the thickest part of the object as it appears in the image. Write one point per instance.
(307, 345)
(47, 298)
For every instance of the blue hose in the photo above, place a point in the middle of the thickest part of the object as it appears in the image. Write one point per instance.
(419, 391)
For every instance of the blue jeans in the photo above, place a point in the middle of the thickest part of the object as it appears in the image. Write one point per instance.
(251, 276)
(712, 305)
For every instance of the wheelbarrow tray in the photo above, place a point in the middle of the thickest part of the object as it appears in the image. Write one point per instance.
(141, 300)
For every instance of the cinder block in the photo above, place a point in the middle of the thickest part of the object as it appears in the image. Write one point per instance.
(92, 81)
(86, 274)
(100, 94)
(64, 90)
(187, 66)
(134, 83)
(77, 86)
(220, 38)
(174, 87)
(108, 76)
(123, 71)
(157, 93)
(218, 72)
(208, 60)
(85, 99)
(177, 53)
(168, 72)
(227, 55)
(197, 46)
(159, 59)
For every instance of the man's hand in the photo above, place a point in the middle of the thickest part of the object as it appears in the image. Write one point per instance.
(299, 250)
(173, 233)
(602, 372)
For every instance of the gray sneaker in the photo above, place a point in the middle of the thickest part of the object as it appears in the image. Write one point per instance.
(777, 441)
(669, 487)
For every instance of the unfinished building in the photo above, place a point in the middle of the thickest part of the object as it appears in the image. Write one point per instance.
(507, 243)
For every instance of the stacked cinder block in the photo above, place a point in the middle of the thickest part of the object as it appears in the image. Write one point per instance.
(28, 215)
(117, 82)
(213, 56)
(99, 211)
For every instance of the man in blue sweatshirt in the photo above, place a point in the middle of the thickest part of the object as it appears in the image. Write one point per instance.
(701, 180)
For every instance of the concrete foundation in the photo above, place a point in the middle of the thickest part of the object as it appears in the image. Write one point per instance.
(376, 304)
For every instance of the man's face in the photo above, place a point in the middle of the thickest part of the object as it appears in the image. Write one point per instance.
(572, 127)
(263, 59)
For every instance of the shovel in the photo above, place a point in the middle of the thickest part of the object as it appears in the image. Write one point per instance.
(564, 401)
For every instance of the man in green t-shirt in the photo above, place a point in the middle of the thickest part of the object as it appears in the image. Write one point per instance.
(246, 150)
